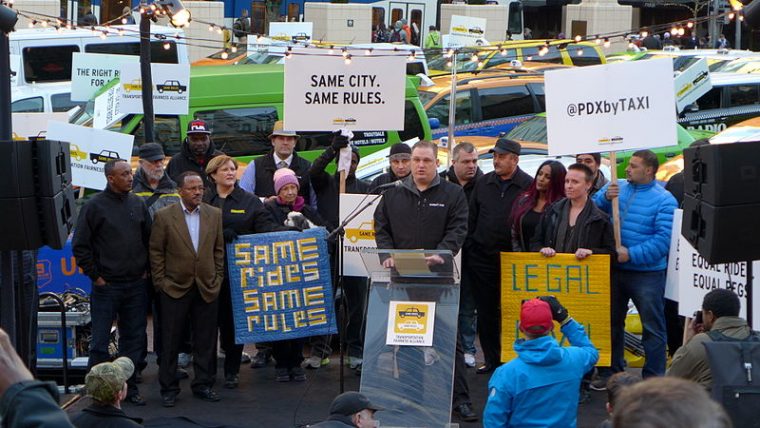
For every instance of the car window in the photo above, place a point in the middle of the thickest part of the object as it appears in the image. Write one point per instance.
(167, 130)
(552, 55)
(48, 63)
(62, 102)
(505, 101)
(241, 131)
(440, 109)
(28, 105)
(499, 58)
(412, 123)
(158, 51)
(533, 129)
(743, 95)
(538, 91)
(583, 55)
(710, 100)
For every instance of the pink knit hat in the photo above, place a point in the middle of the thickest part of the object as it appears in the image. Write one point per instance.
(284, 179)
(283, 171)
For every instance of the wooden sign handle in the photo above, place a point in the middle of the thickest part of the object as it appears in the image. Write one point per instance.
(615, 201)
(342, 187)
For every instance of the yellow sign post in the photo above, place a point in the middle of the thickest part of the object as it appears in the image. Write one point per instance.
(582, 286)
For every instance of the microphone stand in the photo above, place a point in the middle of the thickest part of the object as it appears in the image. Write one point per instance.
(341, 232)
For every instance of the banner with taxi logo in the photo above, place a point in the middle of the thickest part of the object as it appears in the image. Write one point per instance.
(410, 323)
(582, 286)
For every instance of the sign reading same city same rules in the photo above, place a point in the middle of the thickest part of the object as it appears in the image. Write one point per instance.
(323, 93)
(582, 286)
(610, 107)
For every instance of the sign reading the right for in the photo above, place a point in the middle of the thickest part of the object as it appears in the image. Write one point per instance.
(326, 92)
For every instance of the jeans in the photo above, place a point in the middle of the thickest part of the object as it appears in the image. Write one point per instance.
(127, 303)
(647, 290)
(467, 317)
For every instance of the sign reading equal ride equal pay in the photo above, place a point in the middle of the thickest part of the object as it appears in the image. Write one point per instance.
(582, 286)
(611, 107)
(324, 93)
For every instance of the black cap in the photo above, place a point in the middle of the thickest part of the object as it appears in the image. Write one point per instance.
(351, 402)
(400, 149)
(504, 145)
(151, 152)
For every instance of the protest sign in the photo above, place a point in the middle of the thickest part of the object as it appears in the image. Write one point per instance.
(90, 150)
(58, 272)
(27, 125)
(360, 232)
(672, 275)
(90, 72)
(106, 110)
(410, 323)
(325, 93)
(281, 286)
(620, 106)
(291, 32)
(466, 31)
(582, 286)
(171, 88)
(692, 84)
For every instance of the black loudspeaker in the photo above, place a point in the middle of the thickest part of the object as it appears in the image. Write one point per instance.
(36, 198)
(723, 174)
(722, 234)
(722, 201)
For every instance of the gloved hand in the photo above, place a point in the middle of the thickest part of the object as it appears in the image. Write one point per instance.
(339, 141)
(559, 312)
(229, 235)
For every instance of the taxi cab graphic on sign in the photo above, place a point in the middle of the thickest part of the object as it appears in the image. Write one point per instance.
(410, 323)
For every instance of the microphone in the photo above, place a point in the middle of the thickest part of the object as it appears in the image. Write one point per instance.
(386, 186)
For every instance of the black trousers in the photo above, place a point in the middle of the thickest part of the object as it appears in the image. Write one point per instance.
(356, 290)
(288, 354)
(232, 351)
(174, 316)
(461, 391)
(483, 273)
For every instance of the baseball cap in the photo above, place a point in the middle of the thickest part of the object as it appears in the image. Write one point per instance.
(151, 152)
(504, 145)
(105, 380)
(400, 149)
(198, 127)
(536, 317)
(351, 402)
(280, 131)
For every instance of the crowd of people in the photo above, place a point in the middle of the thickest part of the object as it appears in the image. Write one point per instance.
(156, 239)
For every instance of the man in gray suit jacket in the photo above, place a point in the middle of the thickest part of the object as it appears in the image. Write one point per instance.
(187, 263)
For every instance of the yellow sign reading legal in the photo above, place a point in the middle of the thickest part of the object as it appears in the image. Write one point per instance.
(582, 286)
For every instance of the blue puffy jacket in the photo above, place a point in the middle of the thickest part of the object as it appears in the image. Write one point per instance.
(646, 218)
(540, 387)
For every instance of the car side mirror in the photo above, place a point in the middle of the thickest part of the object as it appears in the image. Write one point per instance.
(435, 123)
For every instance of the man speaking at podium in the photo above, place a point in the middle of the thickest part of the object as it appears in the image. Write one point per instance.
(425, 212)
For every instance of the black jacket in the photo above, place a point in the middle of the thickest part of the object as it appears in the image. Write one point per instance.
(435, 219)
(384, 178)
(111, 237)
(185, 160)
(327, 187)
(450, 175)
(162, 196)
(265, 169)
(32, 404)
(242, 211)
(676, 186)
(99, 416)
(489, 232)
(596, 234)
(336, 421)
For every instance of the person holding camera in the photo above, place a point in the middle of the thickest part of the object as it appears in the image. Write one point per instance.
(543, 371)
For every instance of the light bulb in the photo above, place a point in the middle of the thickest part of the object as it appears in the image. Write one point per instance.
(225, 55)
(578, 38)
(167, 46)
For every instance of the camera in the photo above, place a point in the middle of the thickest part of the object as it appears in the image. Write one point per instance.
(697, 317)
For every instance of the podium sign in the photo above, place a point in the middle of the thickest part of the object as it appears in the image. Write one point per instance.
(411, 334)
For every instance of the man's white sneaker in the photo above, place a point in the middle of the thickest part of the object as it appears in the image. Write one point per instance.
(469, 360)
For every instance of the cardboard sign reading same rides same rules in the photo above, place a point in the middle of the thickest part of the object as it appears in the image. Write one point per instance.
(323, 93)
(582, 286)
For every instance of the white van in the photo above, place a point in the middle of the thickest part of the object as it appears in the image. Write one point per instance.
(43, 98)
(46, 54)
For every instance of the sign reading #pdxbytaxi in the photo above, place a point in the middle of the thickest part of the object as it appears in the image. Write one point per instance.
(281, 286)
(611, 107)
(582, 286)
(324, 93)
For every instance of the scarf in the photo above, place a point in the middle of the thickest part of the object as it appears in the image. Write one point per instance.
(298, 204)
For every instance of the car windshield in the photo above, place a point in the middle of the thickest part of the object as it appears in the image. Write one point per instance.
(533, 129)
(464, 62)
(426, 96)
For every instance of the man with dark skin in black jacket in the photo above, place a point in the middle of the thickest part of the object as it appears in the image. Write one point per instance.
(197, 150)
(111, 246)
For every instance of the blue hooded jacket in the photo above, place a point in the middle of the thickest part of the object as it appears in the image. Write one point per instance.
(540, 387)
(646, 222)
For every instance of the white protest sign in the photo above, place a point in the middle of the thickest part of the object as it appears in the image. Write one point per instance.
(106, 110)
(324, 93)
(90, 150)
(697, 278)
(15, 67)
(90, 72)
(291, 32)
(672, 277)
(410, 323)
(34, 124)
(171, 88)
(466, 31)
(360, 232)
(620, 106)
(692, 84)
